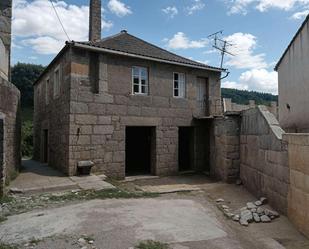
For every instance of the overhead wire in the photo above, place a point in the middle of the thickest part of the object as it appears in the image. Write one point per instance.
(59, 20)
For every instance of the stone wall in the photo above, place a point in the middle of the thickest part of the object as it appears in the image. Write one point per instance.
(5, 37)
(10, 107)
(264, 167)
(298, 198)
(52, 114)
(91, 124)
(98, 120)
(227, 147)
(229, 106)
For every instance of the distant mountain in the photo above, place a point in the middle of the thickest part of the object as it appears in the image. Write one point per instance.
(243, 96)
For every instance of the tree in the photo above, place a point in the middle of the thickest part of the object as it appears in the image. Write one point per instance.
(23, 77)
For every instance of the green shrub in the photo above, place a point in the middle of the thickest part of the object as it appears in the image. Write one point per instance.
(27, 139)
(150, 244)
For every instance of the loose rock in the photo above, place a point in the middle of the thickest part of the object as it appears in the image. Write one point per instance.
(258, 203)
(243, 222)
(250, 205)
(260, 211)
(246, 215)
(265, 219)
(263, 200)
(256, 218)
(236, 217)
(220, 200)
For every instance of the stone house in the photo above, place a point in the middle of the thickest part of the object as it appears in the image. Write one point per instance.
(293, 82)
(126, 105)
(9, 103)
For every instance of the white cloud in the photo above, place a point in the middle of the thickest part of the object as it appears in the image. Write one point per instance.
(196, 6)
(36, 23)
(171, 11)
(181, 41)
(300, 14)
(243, 46)
(260, 80)
(119, 8)
(44, 44)
(241, 6)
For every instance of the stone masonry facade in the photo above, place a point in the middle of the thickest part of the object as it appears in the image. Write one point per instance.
(227, 147)
(264, 167)
(90, 125)
(5, 37)
(11, 130)
(10, 125)
(298, 197)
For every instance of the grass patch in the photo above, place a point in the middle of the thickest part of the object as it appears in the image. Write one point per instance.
(6, 199)
(6, 246)
(101, 194)
(2, 218)
(150, 244)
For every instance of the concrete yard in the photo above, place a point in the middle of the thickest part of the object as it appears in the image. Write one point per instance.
(184, 220)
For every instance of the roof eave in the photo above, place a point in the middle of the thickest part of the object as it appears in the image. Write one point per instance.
(105, 50)
(67, 45)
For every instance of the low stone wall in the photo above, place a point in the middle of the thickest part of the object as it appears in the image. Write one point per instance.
(227, 156)
(298, 198)
(10, 107)
(264, 166)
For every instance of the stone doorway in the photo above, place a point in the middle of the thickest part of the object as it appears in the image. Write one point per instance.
(185, 148)
(139, 150)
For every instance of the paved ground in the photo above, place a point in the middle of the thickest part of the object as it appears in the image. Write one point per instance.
(185, 220)
(37, 177)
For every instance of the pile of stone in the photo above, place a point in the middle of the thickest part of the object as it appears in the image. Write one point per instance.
(252, 212)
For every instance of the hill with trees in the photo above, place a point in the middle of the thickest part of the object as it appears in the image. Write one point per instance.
(243, 96)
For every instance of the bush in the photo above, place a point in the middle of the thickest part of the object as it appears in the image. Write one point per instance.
(27, 139)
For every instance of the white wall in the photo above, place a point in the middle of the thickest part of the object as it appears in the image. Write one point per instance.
(294, 85)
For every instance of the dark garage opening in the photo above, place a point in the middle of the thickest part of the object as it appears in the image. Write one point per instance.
(139, 141)
(185, 148)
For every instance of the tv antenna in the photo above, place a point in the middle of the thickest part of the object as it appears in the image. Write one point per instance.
(221, 45)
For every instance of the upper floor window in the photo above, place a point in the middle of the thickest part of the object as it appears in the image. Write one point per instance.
(47, 91)
(56, 82)
(140, 80)
(179, 85)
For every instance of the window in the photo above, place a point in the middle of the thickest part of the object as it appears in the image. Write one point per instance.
(140, 80)
(47, 91)
(56, 82)
(179, 85)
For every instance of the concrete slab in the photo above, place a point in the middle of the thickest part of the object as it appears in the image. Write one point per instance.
(164, 189)
(39, 178)
(170, 221)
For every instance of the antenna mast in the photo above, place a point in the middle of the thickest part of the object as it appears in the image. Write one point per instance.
(220, 45)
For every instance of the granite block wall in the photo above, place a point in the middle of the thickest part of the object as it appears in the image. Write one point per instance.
(90, 122)
(298, 198)
(10, 107)
(52, 114)
(227, 147)
(264, 167)
(98, 120)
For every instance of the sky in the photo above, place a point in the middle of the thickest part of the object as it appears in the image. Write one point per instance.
(258, 31)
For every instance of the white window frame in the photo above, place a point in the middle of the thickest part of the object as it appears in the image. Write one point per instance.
(140, 78)
(181, 85)
(57, 82)
(47, 85)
